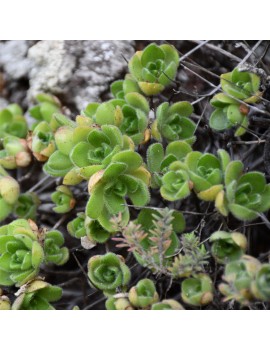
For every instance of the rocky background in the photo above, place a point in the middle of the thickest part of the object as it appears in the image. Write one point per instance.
(76, 71)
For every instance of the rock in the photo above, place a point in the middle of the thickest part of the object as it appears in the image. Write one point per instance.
(101, 63)
(3, 103)
(13, 58)
(52, 67)
(78, 71)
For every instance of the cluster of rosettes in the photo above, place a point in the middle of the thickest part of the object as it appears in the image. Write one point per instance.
(240, 88)
(103, 146)
(246, 279)
(34, 295)
(24, 248)
(178, 170)
(110, 274)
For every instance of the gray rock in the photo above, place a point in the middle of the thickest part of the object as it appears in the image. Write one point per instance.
(3, 103)
(101, 63)
(78, 71)
(13, 58)
(52, 67)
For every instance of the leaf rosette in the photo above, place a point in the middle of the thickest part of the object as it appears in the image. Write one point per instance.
(158, 161)
(130, 115)
(21, 254)
(176, 184)
(124, 177)
(12, 121)
(173, 122)
(206, 172)
(53, 248)
(143, 294)
(167, 305)
(227, 247)
(228, 113)
(76, 227)
(197, 291)
(47, 105)
(239, 276)
(108, 273)
(260, 287)
(41, 141)
(154, 68)
(37, 295)
(242, 85)
(97, 151)
(26, 206)
(9, 193)
(63, 199)
(118, 304)
(246, 195)
(95, 232)
(120, 88)
(15, 153)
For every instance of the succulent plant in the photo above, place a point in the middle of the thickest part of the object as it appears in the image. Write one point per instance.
(173, 122)
(54, 251)
(152, 237)
(76, 227)
(47, 106)
(228, 113)
(141, 137)
(63, 199)
(15, 153)
(21, 254)
(206, 172)
(41, 141)
(241, 84)
(198, 290)
(130, 115)
(260, 287)
(191, 259)
(99, 148)
(83, 226)
(108, 273)
(37, 295)
(227, 247)
(95, 232)
(158, 161)
(239, 276)
(115, 303)
(154, 68)
(176, 184)
(120, 88)
(67, 136)
(12, 122)
(4, 302)
(143, 294)
(59, 165)
(124, 176)
(167, 305)
(26, 206)
(9, 193)
(246, 195)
